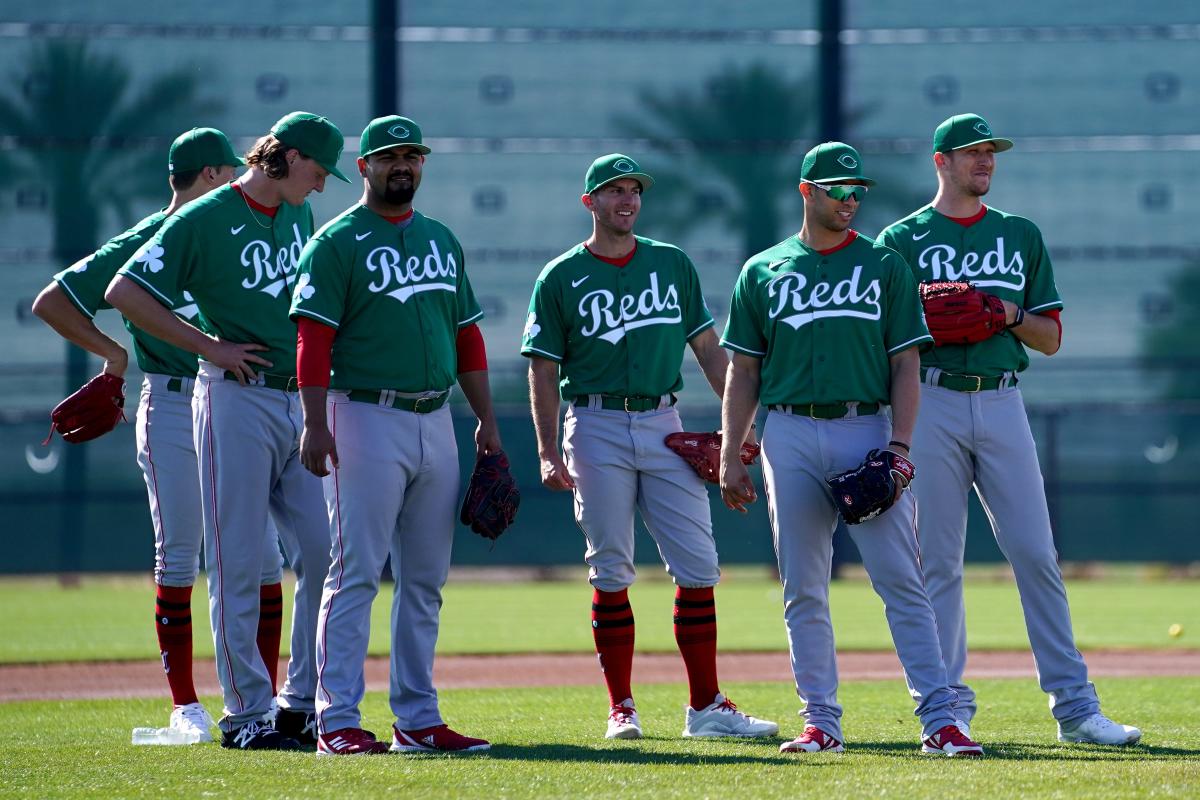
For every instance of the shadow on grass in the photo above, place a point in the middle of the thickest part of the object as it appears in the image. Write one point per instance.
(1025, 751)
(752, 752)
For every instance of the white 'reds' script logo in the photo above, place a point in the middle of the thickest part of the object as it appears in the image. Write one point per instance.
(602, 311)
(992, 268)
(433, 273)
(272, 274)
(846, 298)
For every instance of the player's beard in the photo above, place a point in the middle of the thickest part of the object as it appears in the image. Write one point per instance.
(399, 195)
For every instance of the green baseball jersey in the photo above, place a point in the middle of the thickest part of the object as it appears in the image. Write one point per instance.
(396, 295)
(825, 325)
(1001, 254)
(616, 330)
(239, 265)
(86, 281)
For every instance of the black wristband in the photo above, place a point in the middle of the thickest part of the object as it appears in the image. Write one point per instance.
(905, 445)
(1018, 318)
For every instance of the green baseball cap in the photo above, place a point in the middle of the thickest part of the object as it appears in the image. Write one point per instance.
(382, 133)
(315, 137)
(831, 162)
(965, 130)
(613, 167)
(199, 148)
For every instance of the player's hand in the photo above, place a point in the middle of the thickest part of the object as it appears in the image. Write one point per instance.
(737, 490)
(236, 357)
(317, 445)
(117, 363)
(554, 474)
(487, 438)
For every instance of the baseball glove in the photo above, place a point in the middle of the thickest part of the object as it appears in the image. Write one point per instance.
(958, 313)
(492, 498)
(869, 489)
(92, 411)
(703, 452)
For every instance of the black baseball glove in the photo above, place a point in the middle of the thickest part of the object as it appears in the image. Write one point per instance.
(869, 489)
(492, 498)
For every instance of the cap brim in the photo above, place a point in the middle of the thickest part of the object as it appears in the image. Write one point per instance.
(420, 148)
(335, 172)
(645, 180)
(238, 161)
(1001, 144)
(843, 178)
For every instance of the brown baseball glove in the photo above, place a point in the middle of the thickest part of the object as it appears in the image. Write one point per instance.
(92, 411)
(958, 313)
(703, 452)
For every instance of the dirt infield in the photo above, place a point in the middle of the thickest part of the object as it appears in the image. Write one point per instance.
(144, 678)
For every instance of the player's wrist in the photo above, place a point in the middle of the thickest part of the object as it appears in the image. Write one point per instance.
(1018, 318)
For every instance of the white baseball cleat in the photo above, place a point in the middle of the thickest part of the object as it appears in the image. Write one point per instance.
(722, 718)
(623, 722)
(813, 740)
(192, 719)
(1098, 729)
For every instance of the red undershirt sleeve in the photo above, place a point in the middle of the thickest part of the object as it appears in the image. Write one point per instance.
(1056, 315)
(314, 352)
(472, 354)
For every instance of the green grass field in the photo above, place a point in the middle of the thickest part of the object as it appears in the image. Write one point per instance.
(109, 617)
(549, 743)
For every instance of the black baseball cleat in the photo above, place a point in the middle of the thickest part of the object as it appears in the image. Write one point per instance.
(257, 736)
(298, 725)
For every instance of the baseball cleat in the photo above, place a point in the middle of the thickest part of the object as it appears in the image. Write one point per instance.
(813, 740)
(350, 742)
(1098, 729)
(298, 725)
(256, 736)
(192, 719)
(438, 739)
(623, 722)
(950, 741)
(722, 718)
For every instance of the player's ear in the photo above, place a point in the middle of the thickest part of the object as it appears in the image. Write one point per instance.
(587, 201)
(362, 166)
(939, 160)
(805, 190)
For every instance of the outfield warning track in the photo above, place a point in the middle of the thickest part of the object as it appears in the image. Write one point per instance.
(88, 680)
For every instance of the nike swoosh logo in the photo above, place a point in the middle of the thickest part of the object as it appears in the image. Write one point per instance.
(358, 237)
(237, 230)
(775, 264)
(575, 284)
(917, 238)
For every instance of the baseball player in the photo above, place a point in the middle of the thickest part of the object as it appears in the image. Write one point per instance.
(607, 326)
(236, 251)
(383, 298)
(824, 329)
(974, 430)
(199, 161)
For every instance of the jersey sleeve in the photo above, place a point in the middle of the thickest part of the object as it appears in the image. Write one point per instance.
(1041, 294)
(85, 281)
(696, 316)
(164, 265)
(744, 330)
(322, 282)
(466, 307)
(904, 319)
(545, 333)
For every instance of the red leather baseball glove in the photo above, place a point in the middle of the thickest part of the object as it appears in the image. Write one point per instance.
(92, 411)
(958, 313)
(703, 452)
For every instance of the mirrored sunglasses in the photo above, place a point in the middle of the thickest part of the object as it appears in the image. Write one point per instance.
(842, 191)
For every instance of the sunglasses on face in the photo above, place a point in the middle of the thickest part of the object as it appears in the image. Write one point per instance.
(842, 191)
